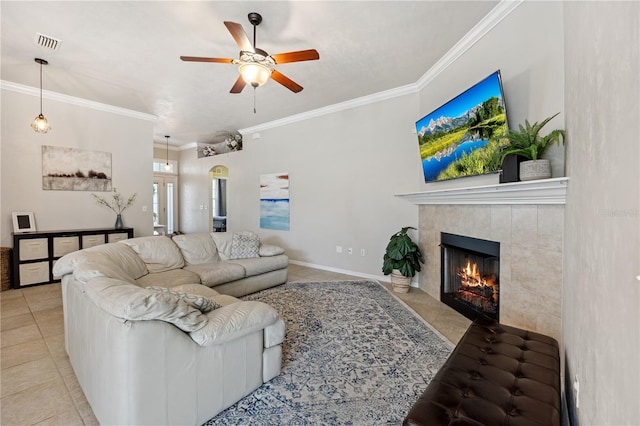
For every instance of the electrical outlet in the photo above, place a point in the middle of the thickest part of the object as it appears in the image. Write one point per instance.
(338, 249)
(350, 250)
(361, 252)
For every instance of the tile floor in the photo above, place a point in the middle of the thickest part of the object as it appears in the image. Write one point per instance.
(37, 383)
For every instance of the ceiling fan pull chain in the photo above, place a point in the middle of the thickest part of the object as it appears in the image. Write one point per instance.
(254, 99)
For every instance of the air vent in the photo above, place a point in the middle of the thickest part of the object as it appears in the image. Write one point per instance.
(48, 42)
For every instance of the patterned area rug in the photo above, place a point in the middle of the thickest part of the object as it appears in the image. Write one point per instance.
(353, 355)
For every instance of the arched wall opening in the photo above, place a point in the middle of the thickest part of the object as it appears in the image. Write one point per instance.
(219, 176)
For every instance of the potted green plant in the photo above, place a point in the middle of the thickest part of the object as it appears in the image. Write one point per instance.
(402, 259)
(528, 143)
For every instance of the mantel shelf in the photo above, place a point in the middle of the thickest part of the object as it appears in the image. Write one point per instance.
(546, 191)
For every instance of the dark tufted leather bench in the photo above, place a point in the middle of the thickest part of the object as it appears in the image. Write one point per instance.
(496, 375)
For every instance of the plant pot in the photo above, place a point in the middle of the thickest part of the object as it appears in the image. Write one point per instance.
(399, 282)
(535, 169)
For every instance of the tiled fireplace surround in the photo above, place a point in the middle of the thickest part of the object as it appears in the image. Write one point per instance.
(527, 219)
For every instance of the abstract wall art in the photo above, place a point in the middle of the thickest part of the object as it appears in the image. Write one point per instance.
(72, 169)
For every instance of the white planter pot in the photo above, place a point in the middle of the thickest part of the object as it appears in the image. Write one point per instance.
(399, 282)
(535, 169)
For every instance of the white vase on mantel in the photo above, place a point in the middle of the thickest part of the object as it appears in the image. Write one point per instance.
(535, 169)
(399, 282)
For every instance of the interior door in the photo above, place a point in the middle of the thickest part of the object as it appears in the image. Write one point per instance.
(165, 204)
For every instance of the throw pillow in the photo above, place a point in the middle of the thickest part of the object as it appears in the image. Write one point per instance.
(130, 302)
(203, 304)
(267, 250)
(245, 245)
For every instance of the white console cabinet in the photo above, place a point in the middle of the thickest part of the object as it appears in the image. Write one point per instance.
(35, 253)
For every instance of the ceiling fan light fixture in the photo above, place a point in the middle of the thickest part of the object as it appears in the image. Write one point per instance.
(254, 73)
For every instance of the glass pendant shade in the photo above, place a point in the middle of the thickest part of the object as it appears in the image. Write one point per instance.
(40, 124)
(254, 73)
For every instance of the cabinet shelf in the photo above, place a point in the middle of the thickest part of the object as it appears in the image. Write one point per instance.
(35, 253)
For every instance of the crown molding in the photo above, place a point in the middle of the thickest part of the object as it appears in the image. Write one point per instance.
(353, 103)
(497, 14)
(493, 18)
(190, 145)
(163, 145)
(59, 97)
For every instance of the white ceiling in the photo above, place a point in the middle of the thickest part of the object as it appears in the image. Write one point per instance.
(126, 54)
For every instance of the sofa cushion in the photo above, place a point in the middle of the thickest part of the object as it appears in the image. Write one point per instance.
(169, 279)
(215, 273)
(94, 268)
(199, 289)
(270, 250)
(159, 253)
(118, 253)
(223, 243)
(201, 303)
(130, 302)
(197, 248)
(203, 290)
(245, 245)
(261, 265)
(234, 321)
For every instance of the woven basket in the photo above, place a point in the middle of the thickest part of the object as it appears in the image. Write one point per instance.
(5, 267)
(399, 282)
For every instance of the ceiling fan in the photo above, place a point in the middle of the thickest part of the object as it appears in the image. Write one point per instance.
(256, 65)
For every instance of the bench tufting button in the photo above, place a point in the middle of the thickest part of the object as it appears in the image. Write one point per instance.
(513, 412)
(482, 361)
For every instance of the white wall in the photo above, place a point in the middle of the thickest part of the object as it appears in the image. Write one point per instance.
(344, 170)
(527, 47)
(601, 309)
(129, 140)
(345, 167)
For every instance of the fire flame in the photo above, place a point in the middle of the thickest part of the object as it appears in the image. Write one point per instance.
(470, 277)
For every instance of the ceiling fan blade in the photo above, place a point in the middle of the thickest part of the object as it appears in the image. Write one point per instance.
(238, 85)
(299, 56)
(286, 81)
(238, 34)
(199, 59)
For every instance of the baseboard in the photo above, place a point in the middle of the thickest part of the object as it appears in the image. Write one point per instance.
(381, 278)
(569, 408)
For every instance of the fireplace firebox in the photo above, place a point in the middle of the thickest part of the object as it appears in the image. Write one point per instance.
(470, 272)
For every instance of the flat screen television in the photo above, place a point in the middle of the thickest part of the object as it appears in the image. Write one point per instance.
(464, 136)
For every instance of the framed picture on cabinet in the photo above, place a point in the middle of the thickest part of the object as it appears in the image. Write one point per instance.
(23, 222)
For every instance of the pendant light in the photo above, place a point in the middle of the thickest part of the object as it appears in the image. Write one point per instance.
(167, 167)
(40, 123)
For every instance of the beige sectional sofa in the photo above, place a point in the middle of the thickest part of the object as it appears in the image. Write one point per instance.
(151, 336)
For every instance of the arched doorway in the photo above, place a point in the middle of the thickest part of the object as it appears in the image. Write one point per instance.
(219, 176)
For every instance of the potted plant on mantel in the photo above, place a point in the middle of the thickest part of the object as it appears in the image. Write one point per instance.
(402, 260)
(528, 143)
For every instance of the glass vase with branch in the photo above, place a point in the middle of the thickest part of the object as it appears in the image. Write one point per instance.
(117, 204)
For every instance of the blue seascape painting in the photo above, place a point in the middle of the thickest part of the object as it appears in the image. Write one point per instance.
(274, 201)
(274, 214)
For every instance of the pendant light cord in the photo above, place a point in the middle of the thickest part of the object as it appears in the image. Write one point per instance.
(167, 151)
(40, 88)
